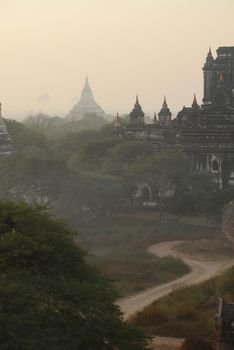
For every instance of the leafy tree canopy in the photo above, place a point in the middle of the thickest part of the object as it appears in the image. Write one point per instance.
(25, 139)
(92, 155)
(49, 297)
(123, 154)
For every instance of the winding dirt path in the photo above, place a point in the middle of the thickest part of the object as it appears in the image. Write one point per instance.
(201, 270)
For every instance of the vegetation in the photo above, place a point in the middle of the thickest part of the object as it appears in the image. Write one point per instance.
(194, 344)
(104, 167)
(50, 298)
(211, 249)
(187, 312)
(118, 245)
(162, 171)
(88, 177)
(56, 126)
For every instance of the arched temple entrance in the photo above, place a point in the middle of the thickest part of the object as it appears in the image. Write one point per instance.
(144, 196)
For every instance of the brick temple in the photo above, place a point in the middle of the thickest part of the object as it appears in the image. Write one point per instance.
(205, 133)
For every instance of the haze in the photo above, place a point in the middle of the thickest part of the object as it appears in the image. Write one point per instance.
(149, 47)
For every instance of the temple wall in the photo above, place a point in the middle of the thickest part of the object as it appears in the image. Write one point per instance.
(228, 222)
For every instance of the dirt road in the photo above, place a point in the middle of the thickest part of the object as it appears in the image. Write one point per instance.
(165, 343)
(201, 270)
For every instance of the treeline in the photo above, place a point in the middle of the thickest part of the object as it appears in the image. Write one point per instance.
(82, 174)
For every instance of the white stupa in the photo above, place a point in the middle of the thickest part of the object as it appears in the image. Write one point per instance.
(86, 105)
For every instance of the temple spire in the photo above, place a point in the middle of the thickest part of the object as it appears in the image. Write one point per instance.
(165, 114)
(86, 81)
(117, 122)
(164, 103)
(137, 101)
(209, 52)
(137, 115)
(155, 120)
(195, 105)
(209, 57)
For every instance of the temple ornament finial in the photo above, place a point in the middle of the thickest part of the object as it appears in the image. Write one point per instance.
(164, 102)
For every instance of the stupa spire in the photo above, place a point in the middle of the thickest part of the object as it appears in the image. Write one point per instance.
(86, 81)
(117, 122)
(165, 114)
(164, 103)
(155, 120)
(137, 115)
(209, 57)
(195, 104)
(137, 101)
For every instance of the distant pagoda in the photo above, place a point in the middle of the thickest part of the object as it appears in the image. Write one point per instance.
(6, 147)
(137, 115)
(86, 105)
(164, 116)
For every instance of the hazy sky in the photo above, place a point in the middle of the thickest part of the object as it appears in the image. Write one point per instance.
(149, 47)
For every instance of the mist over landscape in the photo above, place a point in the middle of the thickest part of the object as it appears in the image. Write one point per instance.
(117, 175)
(151, 48)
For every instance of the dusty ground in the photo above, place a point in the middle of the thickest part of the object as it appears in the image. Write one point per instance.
(209, 249)
(164, 343)
(202, 269)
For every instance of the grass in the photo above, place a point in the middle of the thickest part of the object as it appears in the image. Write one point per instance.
(118, 246)
(138, 271)
(207, 248)
(188, 312)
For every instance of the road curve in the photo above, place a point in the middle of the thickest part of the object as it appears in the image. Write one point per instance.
(201, 270)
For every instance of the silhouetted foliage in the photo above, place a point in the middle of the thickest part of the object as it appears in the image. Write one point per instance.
(50, 298)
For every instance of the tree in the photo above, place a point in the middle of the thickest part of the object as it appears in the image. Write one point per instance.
(85, 196)
(162, 171)
(49, 297)
(73, 195)
(123, 154)
(91, 121)
(67, 146)
(92, 154)
(32, 180)
(198, 193)
(25, 139)
(43, 123)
